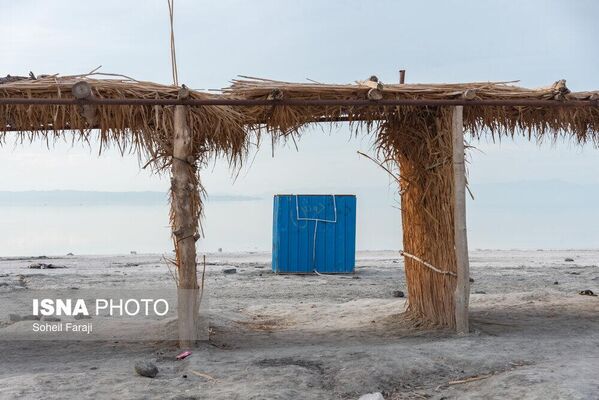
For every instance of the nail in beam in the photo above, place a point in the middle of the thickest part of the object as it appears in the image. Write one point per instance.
(184, 186)
(462, 291)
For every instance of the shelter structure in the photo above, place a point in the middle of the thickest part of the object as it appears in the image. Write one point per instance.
(419, 137)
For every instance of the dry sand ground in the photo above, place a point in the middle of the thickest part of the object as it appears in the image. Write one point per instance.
(329, 337)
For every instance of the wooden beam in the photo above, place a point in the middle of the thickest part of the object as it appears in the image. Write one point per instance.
(184, 186)
(462, 290)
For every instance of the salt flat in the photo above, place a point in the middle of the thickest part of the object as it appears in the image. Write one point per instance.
(327, 337)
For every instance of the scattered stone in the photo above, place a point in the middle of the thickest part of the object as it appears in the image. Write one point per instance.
(230, 271)
(14, 317)
(3, 275)
(220, 249)
(556, 283)
(74, 288)
(30, 317)
(49, 318)
(398, 293)
(133, 252)
(44, 266)
(70, 254)
(471, 280)
(356, 277)
(587, 292)
(395, 261)
(480, 292)
(82, 316)
(146, 368)
(574, 273)
(185, 376)
(93, 368)
(568, 259)
(372, 396)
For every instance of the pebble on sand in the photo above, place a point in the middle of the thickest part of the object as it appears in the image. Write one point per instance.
(568, 259)
(230, 271)
(398, 293)
(146, 368)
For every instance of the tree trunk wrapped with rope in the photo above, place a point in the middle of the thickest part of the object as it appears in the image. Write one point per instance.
(421, 144)
(185, 214)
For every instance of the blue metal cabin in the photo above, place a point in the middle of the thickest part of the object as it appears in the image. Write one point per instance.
(314, 233)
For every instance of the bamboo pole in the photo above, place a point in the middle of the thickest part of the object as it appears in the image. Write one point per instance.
(184, 188)
(462, 290)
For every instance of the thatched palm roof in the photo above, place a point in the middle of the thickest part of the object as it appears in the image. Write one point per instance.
(581, 123)
(226, 130)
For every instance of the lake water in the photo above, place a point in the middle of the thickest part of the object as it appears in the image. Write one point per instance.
(524, 216)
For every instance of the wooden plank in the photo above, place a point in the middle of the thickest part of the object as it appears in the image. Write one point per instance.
(462, 291)
(184, 187)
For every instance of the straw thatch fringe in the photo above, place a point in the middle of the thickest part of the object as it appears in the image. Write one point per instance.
(143, 130)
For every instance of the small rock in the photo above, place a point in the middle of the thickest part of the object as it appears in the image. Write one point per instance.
(398, 293)
(230, 271)
(49, 318)
(185, 376)
(480, 292)
(70, 254)
(574, 273)
(568, 259)
(81, 316)
(30, 317)
(556, 283)
(14, 317)
(146, 368)
(220, 249)
(356, 277)
(93, 368)
(587, 292)
(372, 396)
(471, 280)
(133, 252)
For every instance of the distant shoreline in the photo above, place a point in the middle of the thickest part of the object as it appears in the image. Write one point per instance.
(97, 198)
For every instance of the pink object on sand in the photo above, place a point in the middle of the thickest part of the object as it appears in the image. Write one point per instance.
(184, 355)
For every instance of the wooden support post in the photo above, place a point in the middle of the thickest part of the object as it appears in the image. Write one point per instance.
(184, 187)
(462, 290)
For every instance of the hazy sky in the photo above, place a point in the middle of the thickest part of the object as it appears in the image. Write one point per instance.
(536, 42)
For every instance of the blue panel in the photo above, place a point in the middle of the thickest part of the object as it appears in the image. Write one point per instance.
(296, 249)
